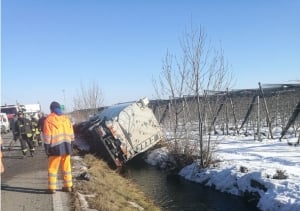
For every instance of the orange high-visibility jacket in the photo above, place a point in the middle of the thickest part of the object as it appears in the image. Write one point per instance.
(58, 135)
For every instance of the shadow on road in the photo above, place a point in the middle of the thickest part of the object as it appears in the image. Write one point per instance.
(13, 157)
(7, 148)
(23, 190)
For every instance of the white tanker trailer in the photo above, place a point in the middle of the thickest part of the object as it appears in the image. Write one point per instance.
(122, 131)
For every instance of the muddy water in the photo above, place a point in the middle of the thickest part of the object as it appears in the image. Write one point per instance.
(174, 193)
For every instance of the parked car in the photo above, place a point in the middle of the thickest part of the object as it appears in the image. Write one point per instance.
(4, 123)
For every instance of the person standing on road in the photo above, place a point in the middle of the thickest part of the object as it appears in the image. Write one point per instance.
(40, 125)
(23, 132)
(58, 135)
(36, 138)
(41, 121)
(12, 127)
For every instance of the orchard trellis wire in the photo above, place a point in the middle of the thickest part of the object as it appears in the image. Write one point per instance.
(259, 112)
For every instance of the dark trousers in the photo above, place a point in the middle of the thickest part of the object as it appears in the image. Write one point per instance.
(24, 140)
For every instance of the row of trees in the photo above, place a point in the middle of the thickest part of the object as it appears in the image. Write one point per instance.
(87, 102)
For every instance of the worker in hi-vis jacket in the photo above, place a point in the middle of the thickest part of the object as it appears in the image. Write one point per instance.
(58, 135)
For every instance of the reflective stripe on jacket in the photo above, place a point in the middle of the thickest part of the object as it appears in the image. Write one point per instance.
(58, 135)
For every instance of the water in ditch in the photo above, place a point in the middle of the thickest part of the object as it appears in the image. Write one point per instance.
(173, 193)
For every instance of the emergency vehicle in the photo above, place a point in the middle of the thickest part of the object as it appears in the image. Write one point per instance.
(12, 111)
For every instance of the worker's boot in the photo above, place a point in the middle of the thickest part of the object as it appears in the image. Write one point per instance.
(51, 191)
(24, 151)
(67, 189)
(32, 151)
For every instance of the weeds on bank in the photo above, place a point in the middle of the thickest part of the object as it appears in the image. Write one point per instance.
(111, 191)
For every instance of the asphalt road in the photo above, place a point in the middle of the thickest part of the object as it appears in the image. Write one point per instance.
(24, 182)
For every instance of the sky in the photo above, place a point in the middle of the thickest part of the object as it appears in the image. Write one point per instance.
(51, 48)
(262, 160)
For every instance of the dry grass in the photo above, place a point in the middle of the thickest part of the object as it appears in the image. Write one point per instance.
(111, 190)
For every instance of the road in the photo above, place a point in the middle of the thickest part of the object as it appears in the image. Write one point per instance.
(24, 182)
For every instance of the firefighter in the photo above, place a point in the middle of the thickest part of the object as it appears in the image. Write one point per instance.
(12, 123)
(36, 138)
(58, 136)
(23, 132)
(41, 121)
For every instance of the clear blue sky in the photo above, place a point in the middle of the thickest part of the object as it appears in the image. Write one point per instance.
(54, 45)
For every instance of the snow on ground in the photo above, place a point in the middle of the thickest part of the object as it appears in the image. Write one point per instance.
(244, 160)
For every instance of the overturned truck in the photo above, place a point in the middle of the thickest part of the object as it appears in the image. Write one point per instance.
(120, 132)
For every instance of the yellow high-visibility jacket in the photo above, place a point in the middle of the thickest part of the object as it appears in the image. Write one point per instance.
(58, 135)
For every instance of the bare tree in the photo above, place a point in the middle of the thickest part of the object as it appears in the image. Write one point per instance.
(200, 71)
(88, 100)
(207, 72)
(172, 84)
